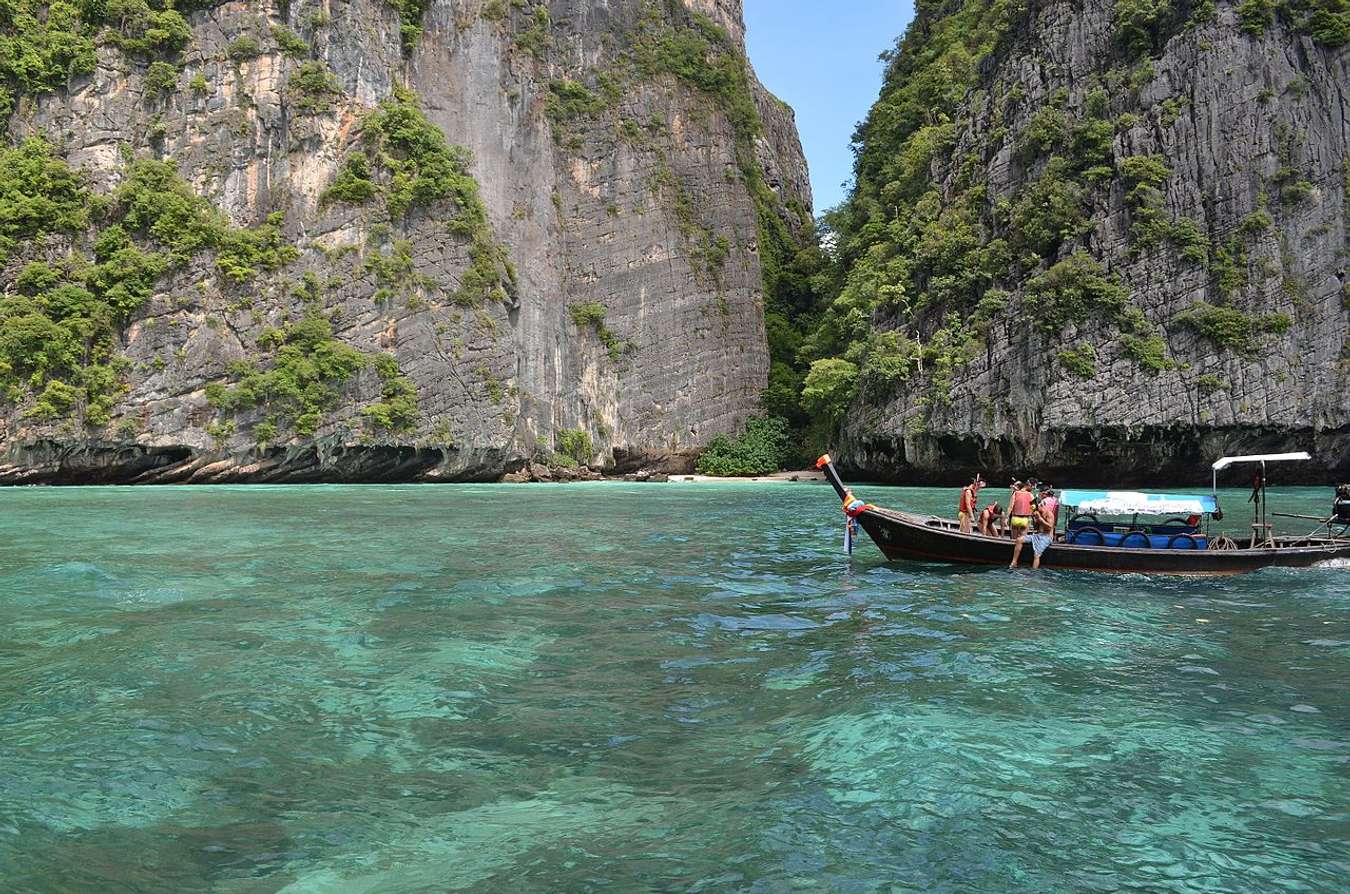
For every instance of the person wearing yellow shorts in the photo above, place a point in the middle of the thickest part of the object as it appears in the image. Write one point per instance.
(1019, 519)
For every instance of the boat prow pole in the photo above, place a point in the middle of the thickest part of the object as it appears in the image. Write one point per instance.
(826, 465)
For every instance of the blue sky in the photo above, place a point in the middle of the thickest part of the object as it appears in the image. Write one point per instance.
(820, 57)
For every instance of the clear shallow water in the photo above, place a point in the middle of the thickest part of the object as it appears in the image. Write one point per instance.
(640, 687)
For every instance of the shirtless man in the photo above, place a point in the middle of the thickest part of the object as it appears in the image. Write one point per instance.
(1049, 499)
(1044, 520)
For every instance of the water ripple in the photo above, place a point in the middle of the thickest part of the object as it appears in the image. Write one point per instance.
(638, 688)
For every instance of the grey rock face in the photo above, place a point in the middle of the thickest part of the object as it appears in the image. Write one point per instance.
(1234, 117)
(598, 209)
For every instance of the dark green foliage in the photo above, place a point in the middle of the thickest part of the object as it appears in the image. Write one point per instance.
(534, 38)
(424, 168)
(1255, 16)
(763, 449)
(289, 42)
(1091, 149)
(1149, 351)
(1143, 26)
(161, 78)
(313, 88)
(1329, 23)
(782, 395)
(1325, 21)
(353, 183)
(242, 254)
(1075, 290)
(568, 101)
(243, 48)
(1144, 171)
(141, 28)
(265, 432)
(575, 444)
(1144, 176)
(1150, 224)
(591, 314)
(157, 203)
(59, 329)
(1047, 131)
(302, 381)
(397, 408)
(1049, 211)
(1190, 240)
(1229, 266)
(39, 194)
(889, 359)
(44, 46)
(1295, 191)
(937, 63)
(420, 169)
(1230, 327)
(411, 12)
(1080, 361)
(829, 388)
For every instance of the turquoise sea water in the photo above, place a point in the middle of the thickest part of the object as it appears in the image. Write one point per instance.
(640, 688)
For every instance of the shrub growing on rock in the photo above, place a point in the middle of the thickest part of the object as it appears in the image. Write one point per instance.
(761, 450)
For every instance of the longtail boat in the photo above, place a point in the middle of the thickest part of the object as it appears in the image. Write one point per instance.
(1177, 545)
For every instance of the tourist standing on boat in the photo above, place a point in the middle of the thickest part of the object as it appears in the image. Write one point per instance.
(970, 497)
(991, 520)
(1045, 530)
(1019, 519)
(1049, 499)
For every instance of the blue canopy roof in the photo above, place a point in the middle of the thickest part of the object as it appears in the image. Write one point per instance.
(1126, 502)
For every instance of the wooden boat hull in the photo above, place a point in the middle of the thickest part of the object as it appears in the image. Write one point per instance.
(904, 536)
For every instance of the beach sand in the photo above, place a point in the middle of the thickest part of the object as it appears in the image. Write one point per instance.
(804, 476)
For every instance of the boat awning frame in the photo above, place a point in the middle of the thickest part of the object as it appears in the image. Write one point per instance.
(1262, 458)
(1221, 464)
(1128, 502)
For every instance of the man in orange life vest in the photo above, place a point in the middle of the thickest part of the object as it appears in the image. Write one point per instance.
(1020, 511)
(970, 496)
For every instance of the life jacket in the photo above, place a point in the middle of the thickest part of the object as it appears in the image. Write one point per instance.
(968, 500)
(1021, 503)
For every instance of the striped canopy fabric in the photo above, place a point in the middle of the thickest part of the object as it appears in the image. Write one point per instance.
(1126, 502)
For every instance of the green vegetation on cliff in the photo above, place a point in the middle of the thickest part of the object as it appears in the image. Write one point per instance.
(93, 261)
(408, 161)
(46, 45)
(300, 377)
(930, 263)
(59, 330)
(764, 448)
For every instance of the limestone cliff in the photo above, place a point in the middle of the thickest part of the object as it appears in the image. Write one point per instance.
(394, 240)
(1105, 241)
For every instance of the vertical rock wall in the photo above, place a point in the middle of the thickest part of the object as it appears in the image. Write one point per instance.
(1246, 212)
(612, 181)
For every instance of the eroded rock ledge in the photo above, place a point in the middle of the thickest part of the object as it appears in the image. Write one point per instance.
(51, 462)
(1144, 456)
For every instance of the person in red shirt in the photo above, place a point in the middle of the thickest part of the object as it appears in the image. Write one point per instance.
(970, 497)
